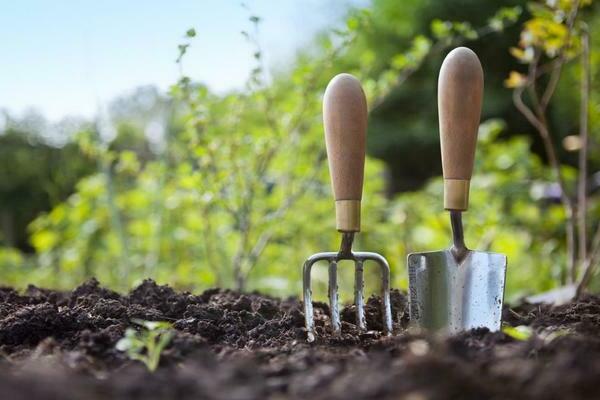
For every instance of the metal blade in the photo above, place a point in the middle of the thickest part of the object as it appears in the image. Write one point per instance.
(451, 297)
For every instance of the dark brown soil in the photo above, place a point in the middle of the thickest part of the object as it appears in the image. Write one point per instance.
(236, 346)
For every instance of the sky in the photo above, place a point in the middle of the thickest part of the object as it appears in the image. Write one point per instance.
(70, 57)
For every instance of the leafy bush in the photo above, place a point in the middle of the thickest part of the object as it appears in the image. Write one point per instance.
(238, 196)
(506, 213)
(236, 192)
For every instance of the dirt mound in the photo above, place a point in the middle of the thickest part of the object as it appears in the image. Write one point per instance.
(229, 345)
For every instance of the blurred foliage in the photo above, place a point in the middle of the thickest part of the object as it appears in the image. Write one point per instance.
(554, 38)
(200, 189)
(34, 177)
(403, 127)
(503, 215)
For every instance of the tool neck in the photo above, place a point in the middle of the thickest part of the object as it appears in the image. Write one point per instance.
(459, 249)
(346, 245)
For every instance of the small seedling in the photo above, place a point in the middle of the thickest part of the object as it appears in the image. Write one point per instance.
(146, 344)
(520, 332)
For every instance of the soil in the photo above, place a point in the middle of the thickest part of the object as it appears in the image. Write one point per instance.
(227, 345)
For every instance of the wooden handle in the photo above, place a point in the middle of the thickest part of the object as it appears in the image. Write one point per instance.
(460, 93)
(345, 121)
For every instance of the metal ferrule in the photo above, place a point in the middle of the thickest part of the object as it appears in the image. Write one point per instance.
(347, 215)
(456, 194)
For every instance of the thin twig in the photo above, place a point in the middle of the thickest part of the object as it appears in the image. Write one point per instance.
(436, 48)
(537, 117)
(584, 137)
(267, 235)
(590, 264)
(583, 160)
(246, 257)
(556, 72)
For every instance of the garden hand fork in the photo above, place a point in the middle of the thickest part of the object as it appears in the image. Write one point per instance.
(457, 289)
(345, 121)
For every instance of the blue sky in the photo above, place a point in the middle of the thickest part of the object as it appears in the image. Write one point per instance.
(68, 57)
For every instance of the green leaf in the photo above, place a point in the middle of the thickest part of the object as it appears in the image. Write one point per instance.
(123, 344)
(515, 80)
(399, 61)
(504, 17)
(520, 332)
(441, 29)
(190, 33)
(352, 23)
(44, 240)
(182, 50)
(146, 345)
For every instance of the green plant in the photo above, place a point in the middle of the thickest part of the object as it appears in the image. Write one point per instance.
(146, 343)
(239, 192)
(35, 175)
(553, 37)
(506, 213)
(521, 332)
(235, 191)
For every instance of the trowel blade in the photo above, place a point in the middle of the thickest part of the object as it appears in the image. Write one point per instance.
(450, 297)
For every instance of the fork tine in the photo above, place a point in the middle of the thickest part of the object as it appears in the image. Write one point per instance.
(359, 301)
(385, 294)
(333, 298)
(359, 259)
(385, 287)
(307, 300)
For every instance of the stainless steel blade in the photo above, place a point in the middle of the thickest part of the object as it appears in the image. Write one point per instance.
(451, 297)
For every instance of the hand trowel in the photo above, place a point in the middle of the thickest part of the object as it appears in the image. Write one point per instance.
(457, 289)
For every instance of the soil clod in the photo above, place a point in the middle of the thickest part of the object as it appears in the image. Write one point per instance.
(229, 345)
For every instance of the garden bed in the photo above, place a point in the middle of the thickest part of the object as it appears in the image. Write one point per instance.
(228, 345)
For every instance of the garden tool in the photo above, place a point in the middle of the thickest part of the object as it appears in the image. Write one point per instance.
(345, 121)
(457, 289)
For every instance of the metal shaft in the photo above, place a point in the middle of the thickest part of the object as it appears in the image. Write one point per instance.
(459, 249)
(346, 246)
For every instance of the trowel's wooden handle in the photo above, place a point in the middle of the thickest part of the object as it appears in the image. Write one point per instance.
(460, 92)
(345, 120)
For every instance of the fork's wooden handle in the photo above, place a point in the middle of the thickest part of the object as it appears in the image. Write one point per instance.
(345, 121)
(460, 92)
